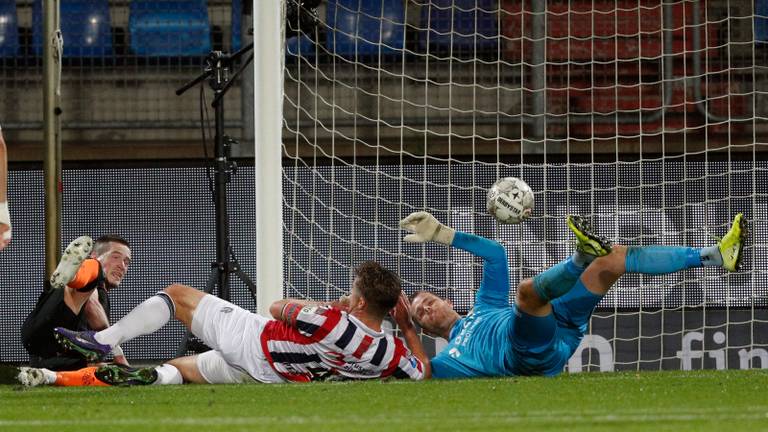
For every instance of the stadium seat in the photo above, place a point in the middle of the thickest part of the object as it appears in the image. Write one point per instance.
(169, 28)
(761, 22)
(85, 26)
(360, 28)
(468, 27)
(9, 29)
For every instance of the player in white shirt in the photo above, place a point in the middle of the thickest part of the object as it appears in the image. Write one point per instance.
(304, 341)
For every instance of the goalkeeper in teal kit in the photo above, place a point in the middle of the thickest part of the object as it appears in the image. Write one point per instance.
(541, 330)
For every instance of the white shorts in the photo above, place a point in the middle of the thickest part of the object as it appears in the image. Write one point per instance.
(234, 334)
(216, 370)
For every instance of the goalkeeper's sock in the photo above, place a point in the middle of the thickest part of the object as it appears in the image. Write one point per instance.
(711, 256)
(666, 259)
(147, 317)
(557, 280)
(582, 259)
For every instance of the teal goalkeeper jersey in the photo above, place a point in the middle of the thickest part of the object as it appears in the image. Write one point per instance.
(481, 344)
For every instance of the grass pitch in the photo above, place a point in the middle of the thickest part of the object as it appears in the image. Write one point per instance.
(701, 400)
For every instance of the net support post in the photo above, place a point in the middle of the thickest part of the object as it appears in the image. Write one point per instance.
(268, 112)
(537, 125)
(52, 55)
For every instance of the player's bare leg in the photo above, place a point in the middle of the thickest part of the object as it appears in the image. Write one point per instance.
(187, 366)
(186, 299)
(528, 301)
(603, 273)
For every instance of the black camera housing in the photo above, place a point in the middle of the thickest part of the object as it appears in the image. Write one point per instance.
(301, 18)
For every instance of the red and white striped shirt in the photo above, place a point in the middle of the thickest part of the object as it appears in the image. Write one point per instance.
(327, 341)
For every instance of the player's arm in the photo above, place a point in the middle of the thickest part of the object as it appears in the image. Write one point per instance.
(412, 339)
(314, 320)
(287, 310)
(5, 216)
(97, 320)
(494, 287)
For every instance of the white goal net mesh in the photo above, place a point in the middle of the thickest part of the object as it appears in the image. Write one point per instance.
(646, 116)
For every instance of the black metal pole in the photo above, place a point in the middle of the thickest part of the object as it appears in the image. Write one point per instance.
(217, 73)
(221, 179)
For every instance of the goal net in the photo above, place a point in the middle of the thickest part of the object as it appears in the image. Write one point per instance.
(646, 116)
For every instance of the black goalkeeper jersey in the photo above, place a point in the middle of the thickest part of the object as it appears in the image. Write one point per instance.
(37, 331)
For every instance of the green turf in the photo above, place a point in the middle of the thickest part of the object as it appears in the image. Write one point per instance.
(702, 400)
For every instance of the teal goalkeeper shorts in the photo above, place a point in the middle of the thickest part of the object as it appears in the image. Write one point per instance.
(572, 312)
(543, 345)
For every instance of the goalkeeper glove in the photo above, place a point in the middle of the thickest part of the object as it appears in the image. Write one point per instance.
(426, 228)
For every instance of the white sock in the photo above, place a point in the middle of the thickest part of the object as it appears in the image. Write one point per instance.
(710, 256)
(168, 374)
(147, 317)
(50, 376)
(582, 259)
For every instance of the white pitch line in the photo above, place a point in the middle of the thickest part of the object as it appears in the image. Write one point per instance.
(648, 416)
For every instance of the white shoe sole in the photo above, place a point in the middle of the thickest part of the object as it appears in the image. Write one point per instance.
(31, 377)
(74, 255)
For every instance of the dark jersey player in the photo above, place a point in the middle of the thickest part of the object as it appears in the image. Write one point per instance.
(78, 298)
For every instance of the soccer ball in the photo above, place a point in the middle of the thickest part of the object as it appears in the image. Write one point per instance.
(510, 200)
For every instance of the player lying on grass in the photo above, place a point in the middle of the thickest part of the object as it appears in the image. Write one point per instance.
(305, 341)
(78, 298)
(539, 333)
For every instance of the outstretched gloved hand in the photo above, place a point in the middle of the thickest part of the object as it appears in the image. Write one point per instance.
(424, 227)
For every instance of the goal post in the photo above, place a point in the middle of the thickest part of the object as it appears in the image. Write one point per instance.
(268, 102)
(646, 116)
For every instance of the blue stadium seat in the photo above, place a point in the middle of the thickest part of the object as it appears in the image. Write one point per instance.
(85, 26)
(9, 29)
(454, 23)
(761, 23)
(363, 27)
(169, 28)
